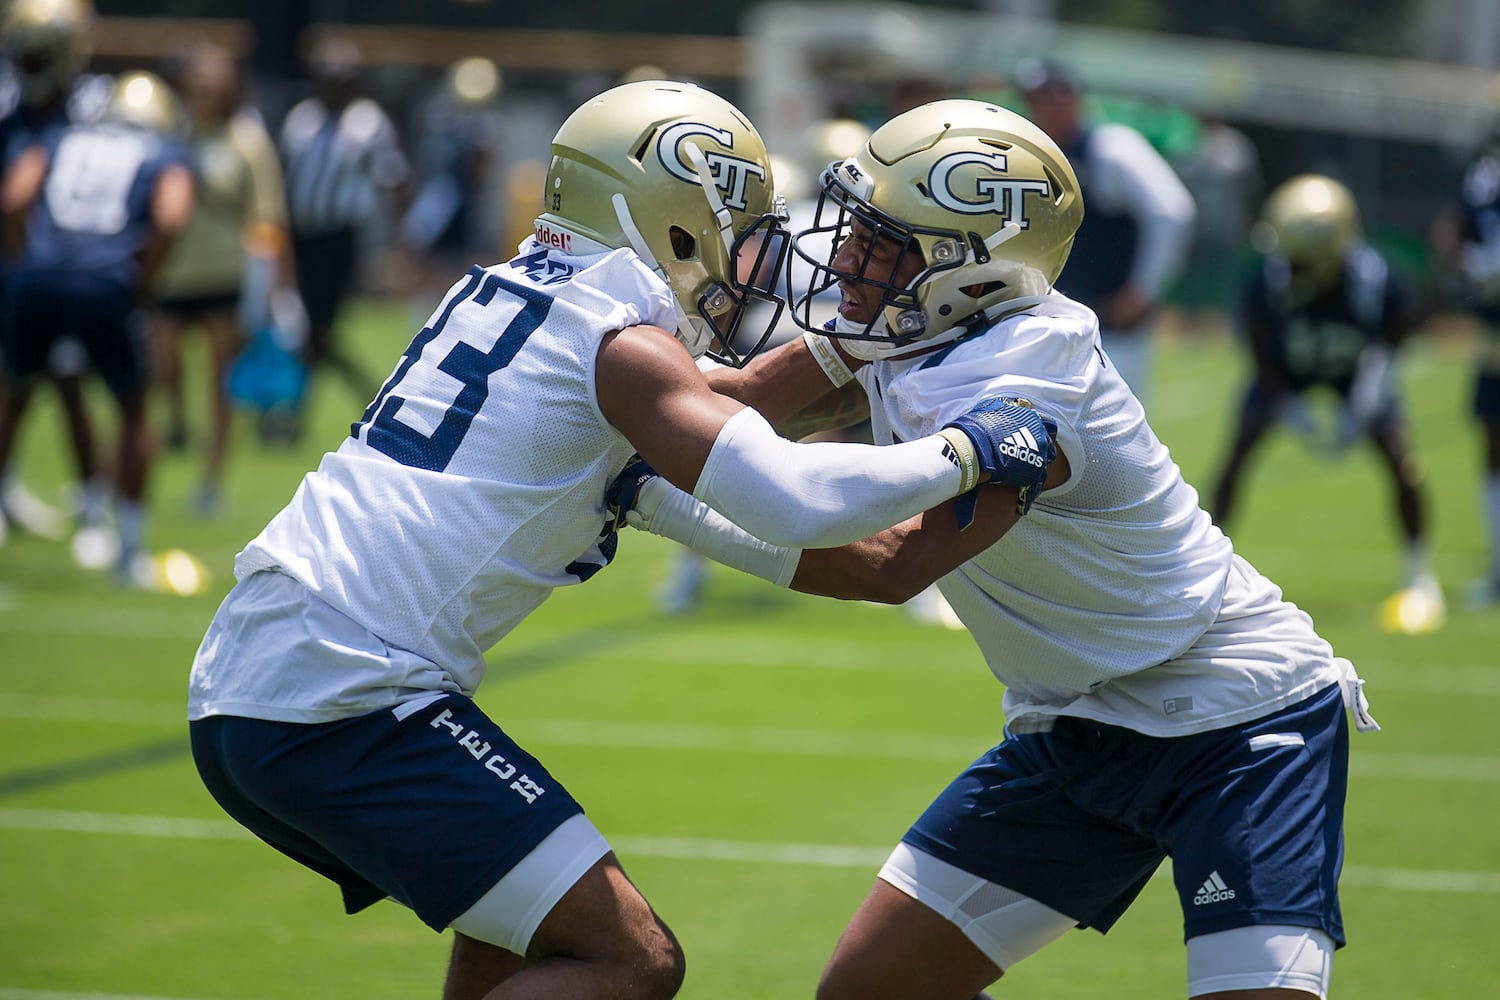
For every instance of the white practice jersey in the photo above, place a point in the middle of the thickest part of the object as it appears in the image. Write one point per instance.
(472, 487)
(1115, 598)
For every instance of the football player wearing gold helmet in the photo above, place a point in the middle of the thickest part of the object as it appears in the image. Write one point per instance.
(476, 483)
(47, 42)
(45, 45)
(1324, 316)
(1161, 698)
(93, 209)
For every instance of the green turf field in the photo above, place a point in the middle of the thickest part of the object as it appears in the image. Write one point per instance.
(752, 764)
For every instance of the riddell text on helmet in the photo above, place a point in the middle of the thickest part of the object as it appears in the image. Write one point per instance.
(549, 237)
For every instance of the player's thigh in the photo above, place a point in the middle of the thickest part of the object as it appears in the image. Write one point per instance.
(31, 329)
(898, 946)
(117, 338)
(603, 918)
(930, 928)
(1037, 817)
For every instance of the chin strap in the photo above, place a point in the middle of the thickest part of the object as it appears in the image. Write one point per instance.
(692, 337)
(1004, 234)
(711, 192)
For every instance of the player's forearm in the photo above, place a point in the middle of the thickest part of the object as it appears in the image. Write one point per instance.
(880, 568)
(835, 411)
(895, 565)
(780, 384)
(889, 567)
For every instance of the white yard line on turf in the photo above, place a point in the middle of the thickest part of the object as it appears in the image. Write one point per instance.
(742, 739)
(683, 849)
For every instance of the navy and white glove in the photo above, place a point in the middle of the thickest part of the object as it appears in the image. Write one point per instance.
(1013, 443)
(623, 497)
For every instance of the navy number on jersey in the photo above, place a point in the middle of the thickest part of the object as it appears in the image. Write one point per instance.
(466, 364)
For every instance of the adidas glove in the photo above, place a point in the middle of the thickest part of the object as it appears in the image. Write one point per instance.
(1013, 443)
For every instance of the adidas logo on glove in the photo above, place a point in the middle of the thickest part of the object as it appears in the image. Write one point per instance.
(1022, 446)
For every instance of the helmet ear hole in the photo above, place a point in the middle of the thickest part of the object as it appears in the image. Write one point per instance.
(684, 246)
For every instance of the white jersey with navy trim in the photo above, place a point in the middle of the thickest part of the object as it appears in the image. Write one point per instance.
(1116, 598)
(472, 487)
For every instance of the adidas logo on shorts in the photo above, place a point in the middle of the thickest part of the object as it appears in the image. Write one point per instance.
(1213, 890)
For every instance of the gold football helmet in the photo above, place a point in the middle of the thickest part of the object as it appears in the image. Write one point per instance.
(143, 99)
(983, 195)
(681, 177)
(47, 40)
(1311, 222)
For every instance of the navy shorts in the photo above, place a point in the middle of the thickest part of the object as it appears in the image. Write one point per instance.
(1487, 397)
(1081, 817)
(48, 305)
(430, 810)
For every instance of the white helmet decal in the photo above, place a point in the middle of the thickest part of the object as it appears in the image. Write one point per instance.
(731, 173)
(1005, 197)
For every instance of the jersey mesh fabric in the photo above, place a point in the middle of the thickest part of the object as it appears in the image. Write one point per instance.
(443, 562)
(1115, 598)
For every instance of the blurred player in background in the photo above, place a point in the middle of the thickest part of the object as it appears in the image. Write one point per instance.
(90, 214)
(1468, 244)
(227, 263)
(1138, 228)
(453, 147)
(43, 90)
(1325, 314)
(344, 170)
(1161, 698)
(330, 702)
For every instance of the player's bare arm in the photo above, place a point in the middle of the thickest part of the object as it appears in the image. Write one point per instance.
(652, 392)
(172, 203)
(18, 191)
(791, 390)
(895, 565)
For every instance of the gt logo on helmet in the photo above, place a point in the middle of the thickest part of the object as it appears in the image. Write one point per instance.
(1004, 196)
(731, 173)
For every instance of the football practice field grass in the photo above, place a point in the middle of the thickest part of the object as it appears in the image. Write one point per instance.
(752, 763)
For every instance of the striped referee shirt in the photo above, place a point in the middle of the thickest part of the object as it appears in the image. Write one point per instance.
(338, 169)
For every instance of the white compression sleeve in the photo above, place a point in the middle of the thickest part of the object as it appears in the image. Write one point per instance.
(824, 494)
(663, 509)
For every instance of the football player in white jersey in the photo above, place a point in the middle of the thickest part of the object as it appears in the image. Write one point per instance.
(330, 702)
(1162, 699)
